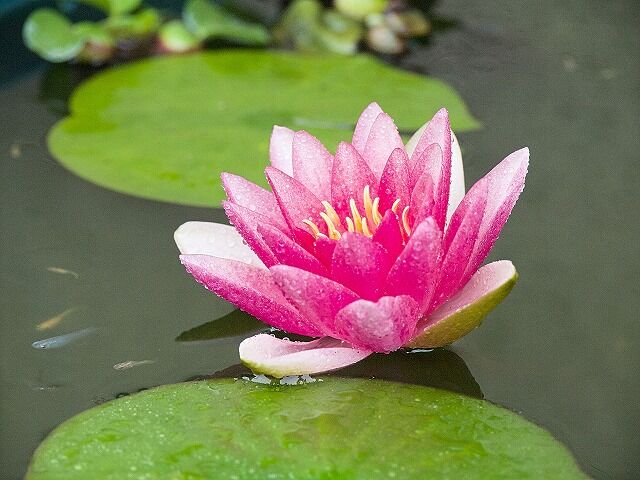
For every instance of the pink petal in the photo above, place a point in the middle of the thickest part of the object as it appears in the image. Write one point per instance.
(317, 298)
(312, 164)
(360, 264)
(289, 252)
(253, 197)
(280, 149)
(423, 197)
(349, 177)
(383, 139)
(459, 241)
(280, 358)
(246, 222)
(363, 127)
(382, 326)
(251, 289)
(466, 309)
(216, 239)
(437, 130)
(415, 271)
(506, 182)
(388, 234)
(297, 203)
(487, 279)
(394, 183)
(323, 249)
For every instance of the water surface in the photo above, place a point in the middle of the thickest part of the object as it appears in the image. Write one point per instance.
(561, 78)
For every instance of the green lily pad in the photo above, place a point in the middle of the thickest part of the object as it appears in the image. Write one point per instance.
(51, 35)
(332, 429)
(207, 21)
(165, 128)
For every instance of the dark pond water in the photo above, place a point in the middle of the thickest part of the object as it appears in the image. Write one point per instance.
(560, 77)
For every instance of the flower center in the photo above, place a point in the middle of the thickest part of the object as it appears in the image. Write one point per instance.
(365, 224)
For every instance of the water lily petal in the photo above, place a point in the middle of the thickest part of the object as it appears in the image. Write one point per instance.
(457, 191)
(255, 198)
(312, 164)
(506, 182)
(279, 358)
(383, 139)
(437, 131)
(280, 149)
(296, 202)
(250, 288)
(363, 127)
(246, 223)
(349, 177)
(459, 241)
(288, 252)
(465, 311)
(423, 194)
(216, 239)
(382, 326)
(323, 250)
(360, 264)
(414, 272)
(394, 183)
(388, 234)
(317, 298)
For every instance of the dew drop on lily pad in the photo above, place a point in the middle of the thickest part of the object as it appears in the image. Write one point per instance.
(165, 128)
(330, 429)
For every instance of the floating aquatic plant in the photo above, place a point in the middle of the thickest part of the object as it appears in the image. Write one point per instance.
(383, 25)
(129, 31)
(372, 249)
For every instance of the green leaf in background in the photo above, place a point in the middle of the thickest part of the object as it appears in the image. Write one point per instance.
(308, 27)
(175, 38)
(51, 35)
(165, 128)
(330, 429)
(233, 324)
(361, 9)
(208, 21)
(99, 45)
(140, 24)
(114, 7)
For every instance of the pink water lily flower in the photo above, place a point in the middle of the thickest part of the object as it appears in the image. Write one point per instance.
(372, 249)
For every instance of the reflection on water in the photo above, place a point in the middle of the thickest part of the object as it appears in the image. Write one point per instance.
(439, 368)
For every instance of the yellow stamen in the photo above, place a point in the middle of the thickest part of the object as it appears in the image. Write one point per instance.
(405, 220)
(333, 215)
(377, 218)
(331, 228)
(350, 226)
(357, 218)
(365, 228)
(313, 227)
(368, 205)
(357, 223)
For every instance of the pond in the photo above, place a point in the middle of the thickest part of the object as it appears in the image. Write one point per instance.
(562, 351)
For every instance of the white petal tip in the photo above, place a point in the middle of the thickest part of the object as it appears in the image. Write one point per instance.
(279, 358)
(214, 239)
